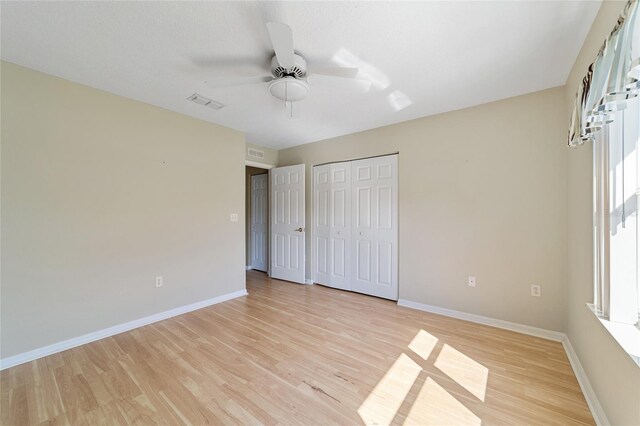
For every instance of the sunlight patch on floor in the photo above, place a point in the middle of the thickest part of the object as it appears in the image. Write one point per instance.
(423, 344)
(435, 406)
(466, 372)
(383, 402)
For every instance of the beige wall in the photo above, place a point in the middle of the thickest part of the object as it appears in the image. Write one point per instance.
(270, 154)
(614, 376)
(482, 191)
(100, 194)
(250, 171)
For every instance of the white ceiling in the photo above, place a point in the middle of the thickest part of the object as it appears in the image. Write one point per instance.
(422, 58)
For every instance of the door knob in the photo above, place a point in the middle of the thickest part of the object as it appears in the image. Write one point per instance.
(299, 229)
(338, 232)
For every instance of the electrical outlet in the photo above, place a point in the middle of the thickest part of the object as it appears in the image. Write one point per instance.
(234, 217)
(536, 291)
(471, 281)
(158, 281)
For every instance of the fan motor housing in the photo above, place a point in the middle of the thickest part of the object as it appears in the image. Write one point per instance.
(298, 70)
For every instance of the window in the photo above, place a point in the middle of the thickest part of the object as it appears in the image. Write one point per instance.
(616, 191)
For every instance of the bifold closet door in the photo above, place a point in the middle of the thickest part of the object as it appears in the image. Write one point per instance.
(374, 235)
(332, 217)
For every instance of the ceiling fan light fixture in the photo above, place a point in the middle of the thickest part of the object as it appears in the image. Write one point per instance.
(289, 89)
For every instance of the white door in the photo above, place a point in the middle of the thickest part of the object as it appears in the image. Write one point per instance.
(374, 256)
(341, 225)
(322, 227)
(287, 223)
(259, 222)
(332, 201)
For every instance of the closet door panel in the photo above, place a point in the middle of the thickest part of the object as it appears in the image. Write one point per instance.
(386, 226)
(340, 199)
(322, 259)
(363, 262)
(363, 200)
(322, 232)
(340, 225)
(339, 267)
(375, 230)
(384, 260)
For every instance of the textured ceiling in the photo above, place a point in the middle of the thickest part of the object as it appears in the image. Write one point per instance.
(422, 58)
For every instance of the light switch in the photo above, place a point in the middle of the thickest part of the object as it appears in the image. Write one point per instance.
(234, 217)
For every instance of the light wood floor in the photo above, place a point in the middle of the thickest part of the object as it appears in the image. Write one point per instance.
(298, 354)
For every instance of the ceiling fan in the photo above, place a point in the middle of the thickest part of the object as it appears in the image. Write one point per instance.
(290, 80)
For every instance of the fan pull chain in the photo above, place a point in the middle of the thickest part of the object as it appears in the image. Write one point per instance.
(624, 218)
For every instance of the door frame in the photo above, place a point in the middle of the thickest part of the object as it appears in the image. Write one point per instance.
(258, 165)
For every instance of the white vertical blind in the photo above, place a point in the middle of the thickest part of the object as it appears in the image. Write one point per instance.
(622, 214)
(607, 113)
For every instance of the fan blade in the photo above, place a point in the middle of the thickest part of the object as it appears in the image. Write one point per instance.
(232, 63)
(347, 72)
(239, 82)
(339, 82)
(282, 42)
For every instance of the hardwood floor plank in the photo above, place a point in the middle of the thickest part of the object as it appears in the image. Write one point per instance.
(294, 354)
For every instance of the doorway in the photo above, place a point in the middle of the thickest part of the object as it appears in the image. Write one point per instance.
(275, 220)
(257, 223)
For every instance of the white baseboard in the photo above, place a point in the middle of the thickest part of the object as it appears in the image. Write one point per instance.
(507, 325)
(249, 267)
(590, 396)
(592, 400)
(116, 329)
(308, 281)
